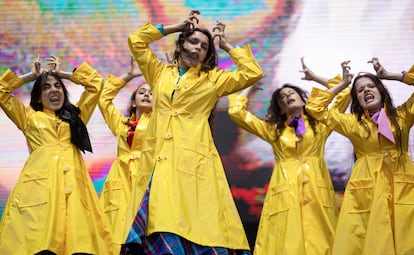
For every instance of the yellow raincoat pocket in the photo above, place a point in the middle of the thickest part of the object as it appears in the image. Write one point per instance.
(324, 193)
(192, 157)
(404, 188)
(111, 195)
(360, 193)
(147, 153)
(33, 190)
(279, 199)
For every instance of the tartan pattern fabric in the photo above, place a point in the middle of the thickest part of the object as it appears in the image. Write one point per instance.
(137, 243)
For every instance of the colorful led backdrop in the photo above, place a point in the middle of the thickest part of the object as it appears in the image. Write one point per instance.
(279, 31)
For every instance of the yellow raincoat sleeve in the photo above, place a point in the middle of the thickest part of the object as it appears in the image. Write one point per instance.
(248, 72)
(92, 81)
(317, 106)
(246, 120)
(113, 117)
(147, 60)
(343, 98)
(13, 108)
(409, 76)
(406, 110)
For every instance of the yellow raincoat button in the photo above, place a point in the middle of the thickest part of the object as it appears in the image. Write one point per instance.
(168, 136)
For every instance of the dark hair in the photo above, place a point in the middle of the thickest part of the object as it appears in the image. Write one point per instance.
(385, 98)
(131, 107)
(36, 94)
(276, 116)
(211, 57)
(68, 112)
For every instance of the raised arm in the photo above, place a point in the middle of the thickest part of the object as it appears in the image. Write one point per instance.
(239, 114)
(92, 81)
(309, 75)
(9, 81)
(218, 32)
(113, 117)
(346, 79)
(382, 73)
(248, 70)
(407, 77)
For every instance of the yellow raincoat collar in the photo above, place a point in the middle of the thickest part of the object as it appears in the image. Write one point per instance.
(49, 112)
(195, 70)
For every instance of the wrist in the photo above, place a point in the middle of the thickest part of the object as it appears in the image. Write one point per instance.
(403, 74)
(63, 75)
(28, 77)
(227, 47)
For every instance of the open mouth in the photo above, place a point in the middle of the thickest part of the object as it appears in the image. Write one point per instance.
(54, 98)
(369, 98)
(195, 56)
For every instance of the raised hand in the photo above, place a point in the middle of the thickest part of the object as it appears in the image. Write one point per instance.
(346, 78)
(54, 67)
(346, 75)
(36, 69)
(35, 72)
(218, 32)
(308, 74)
(381, 72)
(53, 64)
(169, 56)
(134, 70)
(190, 22)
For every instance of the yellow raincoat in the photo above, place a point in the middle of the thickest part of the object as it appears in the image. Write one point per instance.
(299, 213)
(54, 205)
(124, 175)
(377, 213)
(189, 194)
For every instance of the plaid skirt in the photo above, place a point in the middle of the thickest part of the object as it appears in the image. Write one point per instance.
(159, 243)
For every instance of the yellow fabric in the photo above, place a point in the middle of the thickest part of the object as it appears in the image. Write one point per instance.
(189, 195)
(124, 176)
(54, 205)
(378, 206)
(299, 213)
(409, 76)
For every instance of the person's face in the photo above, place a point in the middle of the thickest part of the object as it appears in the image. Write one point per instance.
(143, 98)
(368, 94)
(52, 97)
(197, 46)
(290, 101)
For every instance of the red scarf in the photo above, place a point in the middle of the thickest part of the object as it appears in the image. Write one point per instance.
(131, 132)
